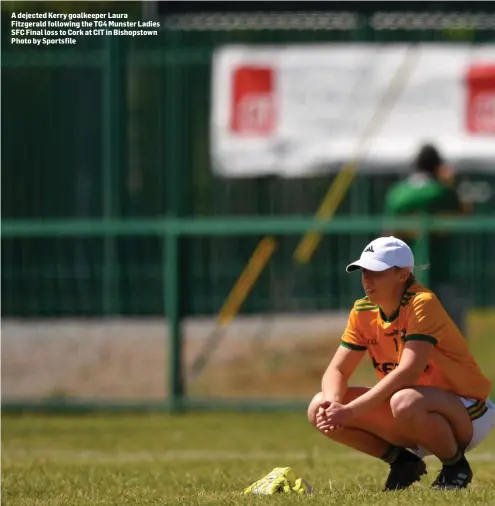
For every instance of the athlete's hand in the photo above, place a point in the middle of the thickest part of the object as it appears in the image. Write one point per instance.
(335, 417)
(323, 406)
(322, 422)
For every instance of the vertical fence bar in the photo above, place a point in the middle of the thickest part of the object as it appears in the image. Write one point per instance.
(423, 250)
(171, 286)
(112, 85)
(174, 178)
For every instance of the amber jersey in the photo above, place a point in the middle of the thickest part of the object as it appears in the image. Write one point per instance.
(420, 317)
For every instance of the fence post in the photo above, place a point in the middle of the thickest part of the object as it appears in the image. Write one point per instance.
(171, 287)
(175, 203)
(113, 101)
(423, 249)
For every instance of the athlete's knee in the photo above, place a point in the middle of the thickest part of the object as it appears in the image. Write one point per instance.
(407, 405)
(313, 407)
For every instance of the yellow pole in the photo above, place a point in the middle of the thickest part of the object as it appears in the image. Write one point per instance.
(328, 207)
(335, 194)
(260, 257)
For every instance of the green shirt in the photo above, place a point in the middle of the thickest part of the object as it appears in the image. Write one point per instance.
(421, 194)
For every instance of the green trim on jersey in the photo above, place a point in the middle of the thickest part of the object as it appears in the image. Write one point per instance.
(404, 301)
(420, 337)
(477, 410)
(392, 317)
(353, 347)
(406, 298)
(366, 308)
(364, 304)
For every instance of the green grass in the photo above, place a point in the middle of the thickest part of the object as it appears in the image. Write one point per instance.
(200, 459)
(210, 458)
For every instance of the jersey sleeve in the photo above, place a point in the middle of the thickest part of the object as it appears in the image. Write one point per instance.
(352, 337)
(425, 320)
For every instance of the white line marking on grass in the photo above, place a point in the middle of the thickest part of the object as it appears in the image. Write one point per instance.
(181, 455)
(194, 455)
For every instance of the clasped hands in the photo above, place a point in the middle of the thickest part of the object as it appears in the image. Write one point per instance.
(332, 416)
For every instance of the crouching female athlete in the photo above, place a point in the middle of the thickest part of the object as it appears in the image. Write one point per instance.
(431, 399)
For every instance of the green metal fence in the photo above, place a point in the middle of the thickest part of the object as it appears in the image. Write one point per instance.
(72, 274)
(110, 207)
(114, 128)
(169, 233)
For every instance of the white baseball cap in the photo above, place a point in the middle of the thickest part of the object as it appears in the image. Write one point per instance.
(384, 253)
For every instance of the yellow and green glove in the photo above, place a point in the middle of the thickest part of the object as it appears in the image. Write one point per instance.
(279, 480)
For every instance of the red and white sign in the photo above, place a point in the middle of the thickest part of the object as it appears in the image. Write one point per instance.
(481, 99)
(298, 110)
(253, 108)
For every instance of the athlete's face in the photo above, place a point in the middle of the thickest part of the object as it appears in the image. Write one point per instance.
(385, 286)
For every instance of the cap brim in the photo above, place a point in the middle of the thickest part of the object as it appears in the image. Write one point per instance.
(370, 264)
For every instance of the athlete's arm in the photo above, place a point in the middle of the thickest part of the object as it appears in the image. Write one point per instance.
(347, 357)
(413, 362)
(334, 383)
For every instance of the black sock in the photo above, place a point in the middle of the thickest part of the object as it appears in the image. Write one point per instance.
(398, 454)
(457, 459)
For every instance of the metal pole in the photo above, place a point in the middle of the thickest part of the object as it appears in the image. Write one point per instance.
(174, 200)
(172, 310)
(110, 120)
(423, 249)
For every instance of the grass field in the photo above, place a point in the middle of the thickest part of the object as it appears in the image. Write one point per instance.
(200, 459)
(197, 459)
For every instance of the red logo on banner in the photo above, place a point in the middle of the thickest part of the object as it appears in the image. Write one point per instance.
(481, 99)
(253, 107)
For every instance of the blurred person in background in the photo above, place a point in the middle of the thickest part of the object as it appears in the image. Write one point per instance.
(430, 190)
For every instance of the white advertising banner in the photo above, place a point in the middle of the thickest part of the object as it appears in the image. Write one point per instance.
(294, 111)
